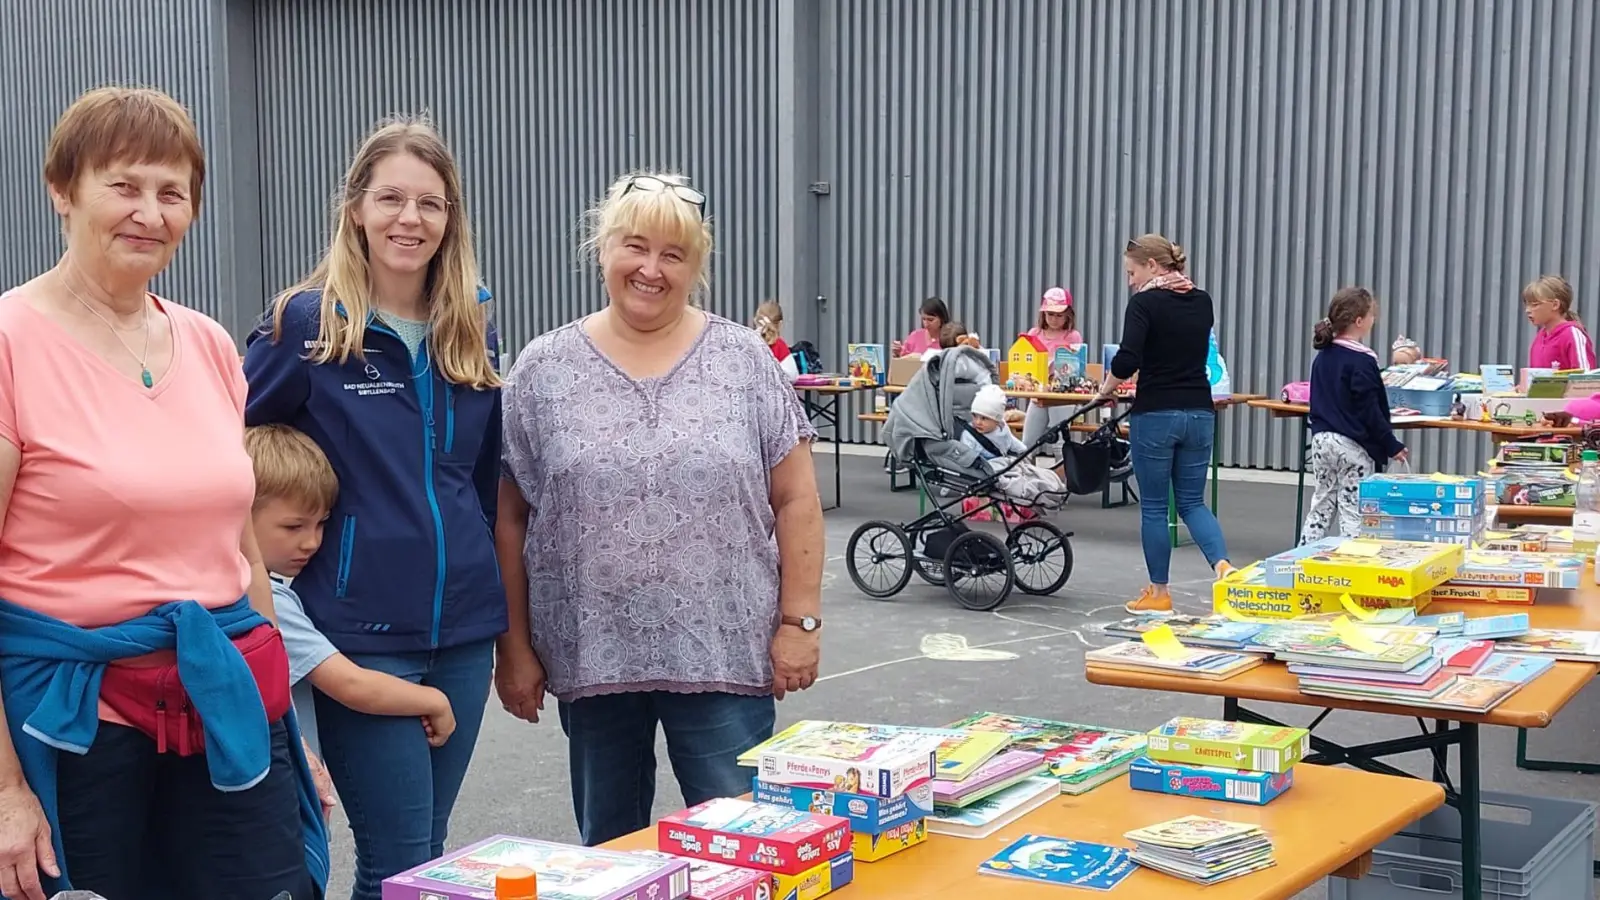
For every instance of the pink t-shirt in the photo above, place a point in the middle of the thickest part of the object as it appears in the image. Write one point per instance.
(916, 342)
(127, 497)
(1564, 345)
(1070, 339)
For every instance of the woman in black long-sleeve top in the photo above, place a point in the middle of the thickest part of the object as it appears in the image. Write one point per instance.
(1166, 337)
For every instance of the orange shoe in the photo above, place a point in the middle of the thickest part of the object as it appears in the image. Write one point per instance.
(1151, 603)
(1224, 569)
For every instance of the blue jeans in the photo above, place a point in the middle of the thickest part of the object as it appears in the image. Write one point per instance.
(612, 752)
(1171, 451)
(397, 791)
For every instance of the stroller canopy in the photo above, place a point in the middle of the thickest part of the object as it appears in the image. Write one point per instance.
(927, 413)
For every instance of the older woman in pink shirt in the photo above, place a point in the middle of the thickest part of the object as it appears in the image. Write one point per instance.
(135, 613)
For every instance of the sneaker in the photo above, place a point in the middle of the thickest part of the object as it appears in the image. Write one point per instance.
(1151, 603)
(1224, 569)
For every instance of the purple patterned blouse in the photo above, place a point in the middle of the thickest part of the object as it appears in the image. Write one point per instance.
(651, 559)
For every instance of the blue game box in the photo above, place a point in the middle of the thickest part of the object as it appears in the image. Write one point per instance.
(1207, 782)
(867, 815)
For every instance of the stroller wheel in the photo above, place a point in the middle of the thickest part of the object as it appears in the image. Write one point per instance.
(879, 559)
(977, 570)
(929, 570)
(1042, 557)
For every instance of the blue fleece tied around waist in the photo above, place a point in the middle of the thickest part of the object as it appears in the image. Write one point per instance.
(50, 674)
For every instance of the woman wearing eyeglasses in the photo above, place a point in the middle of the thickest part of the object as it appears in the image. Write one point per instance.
(660, 532)
(385, 357)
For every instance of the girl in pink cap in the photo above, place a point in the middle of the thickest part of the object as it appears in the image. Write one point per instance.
(1056, 328)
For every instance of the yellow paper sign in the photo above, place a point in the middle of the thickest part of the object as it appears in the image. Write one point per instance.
(1354, 608)
(1163, 643)
(1351, 634)
(1228, 612)
(1483, 558)
(1447, 478)
(1359, 548)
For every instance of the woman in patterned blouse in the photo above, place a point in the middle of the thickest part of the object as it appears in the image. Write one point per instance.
(657, 481)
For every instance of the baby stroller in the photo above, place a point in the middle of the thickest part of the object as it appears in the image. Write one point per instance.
(978, 569)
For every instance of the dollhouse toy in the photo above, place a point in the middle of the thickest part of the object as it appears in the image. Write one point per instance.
(1028, 356)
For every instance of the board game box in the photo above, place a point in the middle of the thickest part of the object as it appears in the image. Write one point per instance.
(1420, 508)
(755, 835)
(833, 760)
(1424, 487)
(716, 881)
(1244, 593)
(873, 847)
(1278, 569)
(1208, 782)
(1234, 745)
(1549, 570)
(565, 873)
(817, 881)
(1406, 528)
(1399, 569)
(867, 814)
(1482, 593)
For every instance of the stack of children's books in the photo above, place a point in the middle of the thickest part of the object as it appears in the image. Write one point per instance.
(1210, 759)
(1201, 850)
(1079, 757)
(804, 853)
(1161, 652)
(572, 873)
(879, 778)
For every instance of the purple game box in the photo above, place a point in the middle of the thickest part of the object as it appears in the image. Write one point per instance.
(565, 873)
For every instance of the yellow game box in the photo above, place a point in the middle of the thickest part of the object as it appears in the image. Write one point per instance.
(1483, 593)
(873, 847)
(1398, 569)
(1243, 594)
(818, 881)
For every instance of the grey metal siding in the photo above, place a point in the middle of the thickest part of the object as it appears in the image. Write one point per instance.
(52, 52)
(1442, 153)
(544, 104)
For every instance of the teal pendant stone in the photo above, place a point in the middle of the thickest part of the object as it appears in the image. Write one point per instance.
(145, 377)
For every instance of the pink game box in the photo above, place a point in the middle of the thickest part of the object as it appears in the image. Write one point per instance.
(717, 881)
(755, 835)
(565, 873)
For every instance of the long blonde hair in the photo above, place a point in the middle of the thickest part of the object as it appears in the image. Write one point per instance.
(768, 321)
(457, 322)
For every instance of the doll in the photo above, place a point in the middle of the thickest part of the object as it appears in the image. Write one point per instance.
(1404, 351)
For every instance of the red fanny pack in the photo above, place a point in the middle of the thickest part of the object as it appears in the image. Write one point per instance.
(152, 698)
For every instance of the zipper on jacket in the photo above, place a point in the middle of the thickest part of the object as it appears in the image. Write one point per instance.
(161, 720)
(449, 417)
(424, 387)
(347, 546)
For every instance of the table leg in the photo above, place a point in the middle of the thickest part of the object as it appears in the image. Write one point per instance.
(1549, 765)
(838, 468)
(1300, 485)
(1471, 815)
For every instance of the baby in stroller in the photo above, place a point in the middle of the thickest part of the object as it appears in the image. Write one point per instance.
(989, 421)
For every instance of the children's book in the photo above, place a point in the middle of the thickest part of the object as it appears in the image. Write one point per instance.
(1332, 650)
(1578, 646)
(1053, 860)
(1418, 674)
(1202, 850)
(1079, 756)
(1446, 624)
(992, 777)
(1515, 669)
(1198, 631)
(1493, 628)
(867, 362)
(1210, 665)
(960, 752)
(984, 817)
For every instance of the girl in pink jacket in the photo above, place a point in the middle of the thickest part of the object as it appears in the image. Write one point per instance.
(1561, 341)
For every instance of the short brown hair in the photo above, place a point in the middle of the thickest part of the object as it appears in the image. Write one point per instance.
(951, 334)
(290, 466)
(111, 125)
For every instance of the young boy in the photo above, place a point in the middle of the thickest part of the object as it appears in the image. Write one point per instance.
(295, 490)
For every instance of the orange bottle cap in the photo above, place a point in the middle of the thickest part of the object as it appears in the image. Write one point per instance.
(516, 883)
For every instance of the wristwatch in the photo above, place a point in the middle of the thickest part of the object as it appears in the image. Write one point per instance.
(804, 623)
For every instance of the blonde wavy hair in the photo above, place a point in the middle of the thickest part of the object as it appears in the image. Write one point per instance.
(457, 322)
(662, 214)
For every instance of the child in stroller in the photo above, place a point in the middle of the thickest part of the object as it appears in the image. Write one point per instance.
(930, 428)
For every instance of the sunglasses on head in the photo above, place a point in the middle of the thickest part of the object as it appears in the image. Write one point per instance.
(653, 184)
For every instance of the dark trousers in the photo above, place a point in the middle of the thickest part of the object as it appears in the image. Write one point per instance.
(611, 750)
(142, 825)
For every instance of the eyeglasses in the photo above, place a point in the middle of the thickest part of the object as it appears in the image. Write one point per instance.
(392, 202)
(653, 184)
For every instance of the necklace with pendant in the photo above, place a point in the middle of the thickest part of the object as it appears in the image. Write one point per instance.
(144, 369)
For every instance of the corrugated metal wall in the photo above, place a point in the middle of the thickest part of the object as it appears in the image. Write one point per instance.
(1441, 152)
(544, 104)
(52, 52)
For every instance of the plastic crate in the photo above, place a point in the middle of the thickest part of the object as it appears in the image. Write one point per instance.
(1549, 857)
(1428, 403)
